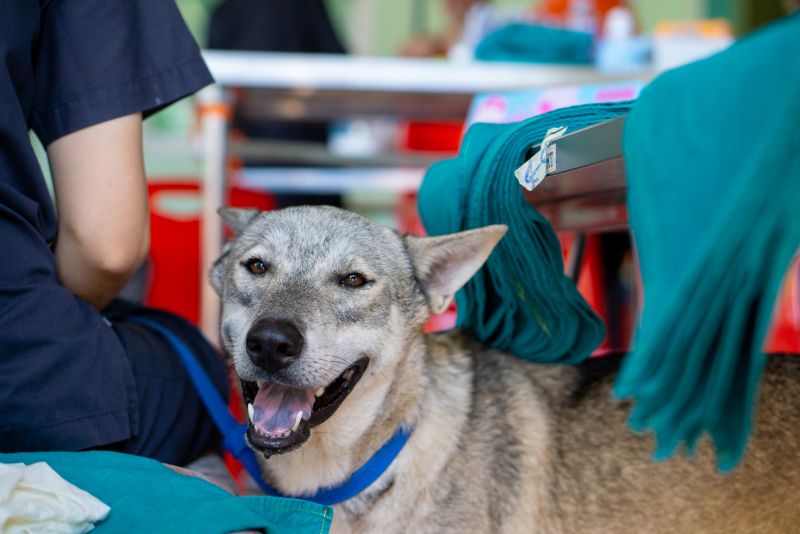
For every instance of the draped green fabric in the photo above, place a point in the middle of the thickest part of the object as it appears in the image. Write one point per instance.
(520, 301)
(530, 43)
(713, 165)
(146, 496)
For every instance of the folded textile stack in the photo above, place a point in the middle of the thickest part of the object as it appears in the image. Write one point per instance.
(713, 167)
(34, 498)
(530, 43)
(520, 301)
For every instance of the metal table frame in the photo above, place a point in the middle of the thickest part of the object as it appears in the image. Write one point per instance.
(302, 86)
(587, 188)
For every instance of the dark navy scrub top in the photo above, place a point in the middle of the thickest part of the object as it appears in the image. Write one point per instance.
(65, 381)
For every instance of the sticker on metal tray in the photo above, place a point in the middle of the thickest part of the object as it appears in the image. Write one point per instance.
(533, 171)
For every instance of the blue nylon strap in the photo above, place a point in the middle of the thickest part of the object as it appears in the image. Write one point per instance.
(233, 432)
(366, 474)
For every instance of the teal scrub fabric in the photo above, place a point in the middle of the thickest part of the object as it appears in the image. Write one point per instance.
(713, 165)
(529, 43)
(146, 496)
(520, 301)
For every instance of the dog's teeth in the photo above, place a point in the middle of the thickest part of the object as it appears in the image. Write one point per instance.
(347, 374)
(320, 390)
(297, 420)
(250, 411)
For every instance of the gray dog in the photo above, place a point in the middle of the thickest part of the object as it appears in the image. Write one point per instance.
(322, 317)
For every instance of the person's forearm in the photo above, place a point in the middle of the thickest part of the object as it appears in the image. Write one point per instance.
(101, 195)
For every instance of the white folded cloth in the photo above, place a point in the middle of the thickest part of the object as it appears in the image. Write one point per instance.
(34, 498)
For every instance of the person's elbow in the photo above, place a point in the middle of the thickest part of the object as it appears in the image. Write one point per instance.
(95, 268)
(112, 255)
(119, 260)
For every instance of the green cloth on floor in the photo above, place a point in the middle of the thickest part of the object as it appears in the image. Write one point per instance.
(713, 168)
(146, 496)
(520, 301)
(529, 43)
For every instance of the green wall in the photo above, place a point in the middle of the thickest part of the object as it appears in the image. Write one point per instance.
(393, 18)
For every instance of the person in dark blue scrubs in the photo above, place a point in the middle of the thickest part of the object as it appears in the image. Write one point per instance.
(75, 372)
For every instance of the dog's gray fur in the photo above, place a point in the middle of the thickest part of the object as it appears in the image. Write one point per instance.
(499, 445)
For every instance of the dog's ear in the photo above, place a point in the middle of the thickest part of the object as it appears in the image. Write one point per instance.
(215, 275)
(237, 219)
(445, 263)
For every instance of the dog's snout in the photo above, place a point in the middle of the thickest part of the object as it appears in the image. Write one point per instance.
(273, 345)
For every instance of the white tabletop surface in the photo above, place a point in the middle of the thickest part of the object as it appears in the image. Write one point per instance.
(395, 74)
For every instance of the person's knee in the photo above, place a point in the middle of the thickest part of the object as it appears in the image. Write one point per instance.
(174, 424)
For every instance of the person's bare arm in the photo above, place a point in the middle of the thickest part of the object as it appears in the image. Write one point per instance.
(101, 197)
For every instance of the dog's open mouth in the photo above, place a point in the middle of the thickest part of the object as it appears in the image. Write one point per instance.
(281, 417)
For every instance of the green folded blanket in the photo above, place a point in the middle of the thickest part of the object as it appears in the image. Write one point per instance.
(713, 166)
(520, 301)
(146, 496)
(529, 43)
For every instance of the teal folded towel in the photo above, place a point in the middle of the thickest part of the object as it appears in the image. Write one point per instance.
(529, 43)
(146, 496)
(713, 165)
(520, 301)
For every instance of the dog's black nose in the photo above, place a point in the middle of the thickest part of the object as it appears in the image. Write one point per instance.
(272, 345)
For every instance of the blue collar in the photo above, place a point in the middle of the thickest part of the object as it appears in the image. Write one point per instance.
(358, 481)
(233, 433)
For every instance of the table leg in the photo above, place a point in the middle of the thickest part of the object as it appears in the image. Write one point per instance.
(214, 116)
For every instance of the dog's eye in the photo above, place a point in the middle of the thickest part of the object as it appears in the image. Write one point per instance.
(255, 266)
(353, 280)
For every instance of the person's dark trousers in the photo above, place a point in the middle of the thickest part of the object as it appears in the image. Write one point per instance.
(174, 425)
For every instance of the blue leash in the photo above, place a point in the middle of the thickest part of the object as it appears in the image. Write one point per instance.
(233, 432)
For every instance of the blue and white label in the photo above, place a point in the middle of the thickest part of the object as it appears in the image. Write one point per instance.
(533, 171)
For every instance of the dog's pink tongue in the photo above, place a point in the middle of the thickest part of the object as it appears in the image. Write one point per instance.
(275, 408)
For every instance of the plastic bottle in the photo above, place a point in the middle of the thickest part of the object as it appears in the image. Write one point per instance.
(620, 50)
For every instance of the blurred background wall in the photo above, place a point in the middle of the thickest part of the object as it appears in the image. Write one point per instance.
(380, 27)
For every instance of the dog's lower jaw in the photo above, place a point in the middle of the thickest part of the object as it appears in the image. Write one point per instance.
(325, 404)
(362, 424)
(262, 445)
